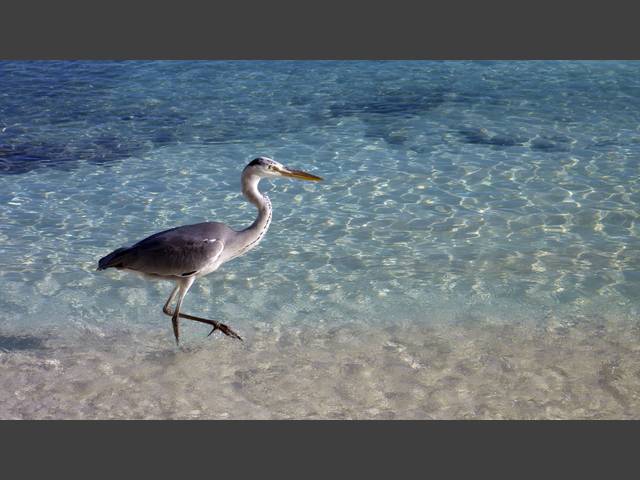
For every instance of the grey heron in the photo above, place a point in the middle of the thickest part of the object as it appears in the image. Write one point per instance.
(184, 254)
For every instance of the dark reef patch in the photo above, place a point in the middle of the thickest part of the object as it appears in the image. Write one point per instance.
(11, 343)
(18, 158)
(22, 158)
(393, 103)
(554, 143)
(479, 136)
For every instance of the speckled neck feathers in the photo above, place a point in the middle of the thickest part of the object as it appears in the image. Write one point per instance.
(252, 235)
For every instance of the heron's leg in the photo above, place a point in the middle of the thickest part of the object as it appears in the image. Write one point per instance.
(215, 324)
(167, 309)
(183, 288)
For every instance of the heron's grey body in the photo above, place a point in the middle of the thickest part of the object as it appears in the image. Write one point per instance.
(178, 252)
(186, 253)
(190, 250)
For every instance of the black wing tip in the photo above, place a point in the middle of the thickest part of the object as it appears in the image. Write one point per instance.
(111, 260)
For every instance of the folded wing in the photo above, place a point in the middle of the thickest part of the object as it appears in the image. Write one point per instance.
(181, 251)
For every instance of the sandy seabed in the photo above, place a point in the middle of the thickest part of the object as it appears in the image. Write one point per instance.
(473, 370)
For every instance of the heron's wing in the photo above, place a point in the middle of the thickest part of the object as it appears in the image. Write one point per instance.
(177, 259)
(181, 251)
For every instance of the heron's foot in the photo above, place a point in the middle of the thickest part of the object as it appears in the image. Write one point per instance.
(224, 329)
(215, 324)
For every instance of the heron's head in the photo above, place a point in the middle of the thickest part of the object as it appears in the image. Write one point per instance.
(268, 168)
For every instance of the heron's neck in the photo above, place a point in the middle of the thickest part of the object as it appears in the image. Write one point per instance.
(254, 233)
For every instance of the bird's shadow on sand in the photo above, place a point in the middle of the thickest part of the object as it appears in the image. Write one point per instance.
(12, 343)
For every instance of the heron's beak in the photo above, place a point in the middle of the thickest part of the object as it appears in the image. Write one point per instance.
(300, 175)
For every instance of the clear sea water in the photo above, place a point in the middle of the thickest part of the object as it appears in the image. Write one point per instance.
(474, 251)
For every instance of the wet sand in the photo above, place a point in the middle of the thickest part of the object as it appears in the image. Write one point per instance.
(467, 370)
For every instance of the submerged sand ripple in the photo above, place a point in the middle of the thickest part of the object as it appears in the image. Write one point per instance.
(473, 370)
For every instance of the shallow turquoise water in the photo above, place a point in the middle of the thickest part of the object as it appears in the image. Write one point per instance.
(476, 232)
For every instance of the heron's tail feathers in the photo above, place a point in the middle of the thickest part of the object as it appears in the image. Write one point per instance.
(114, 259)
